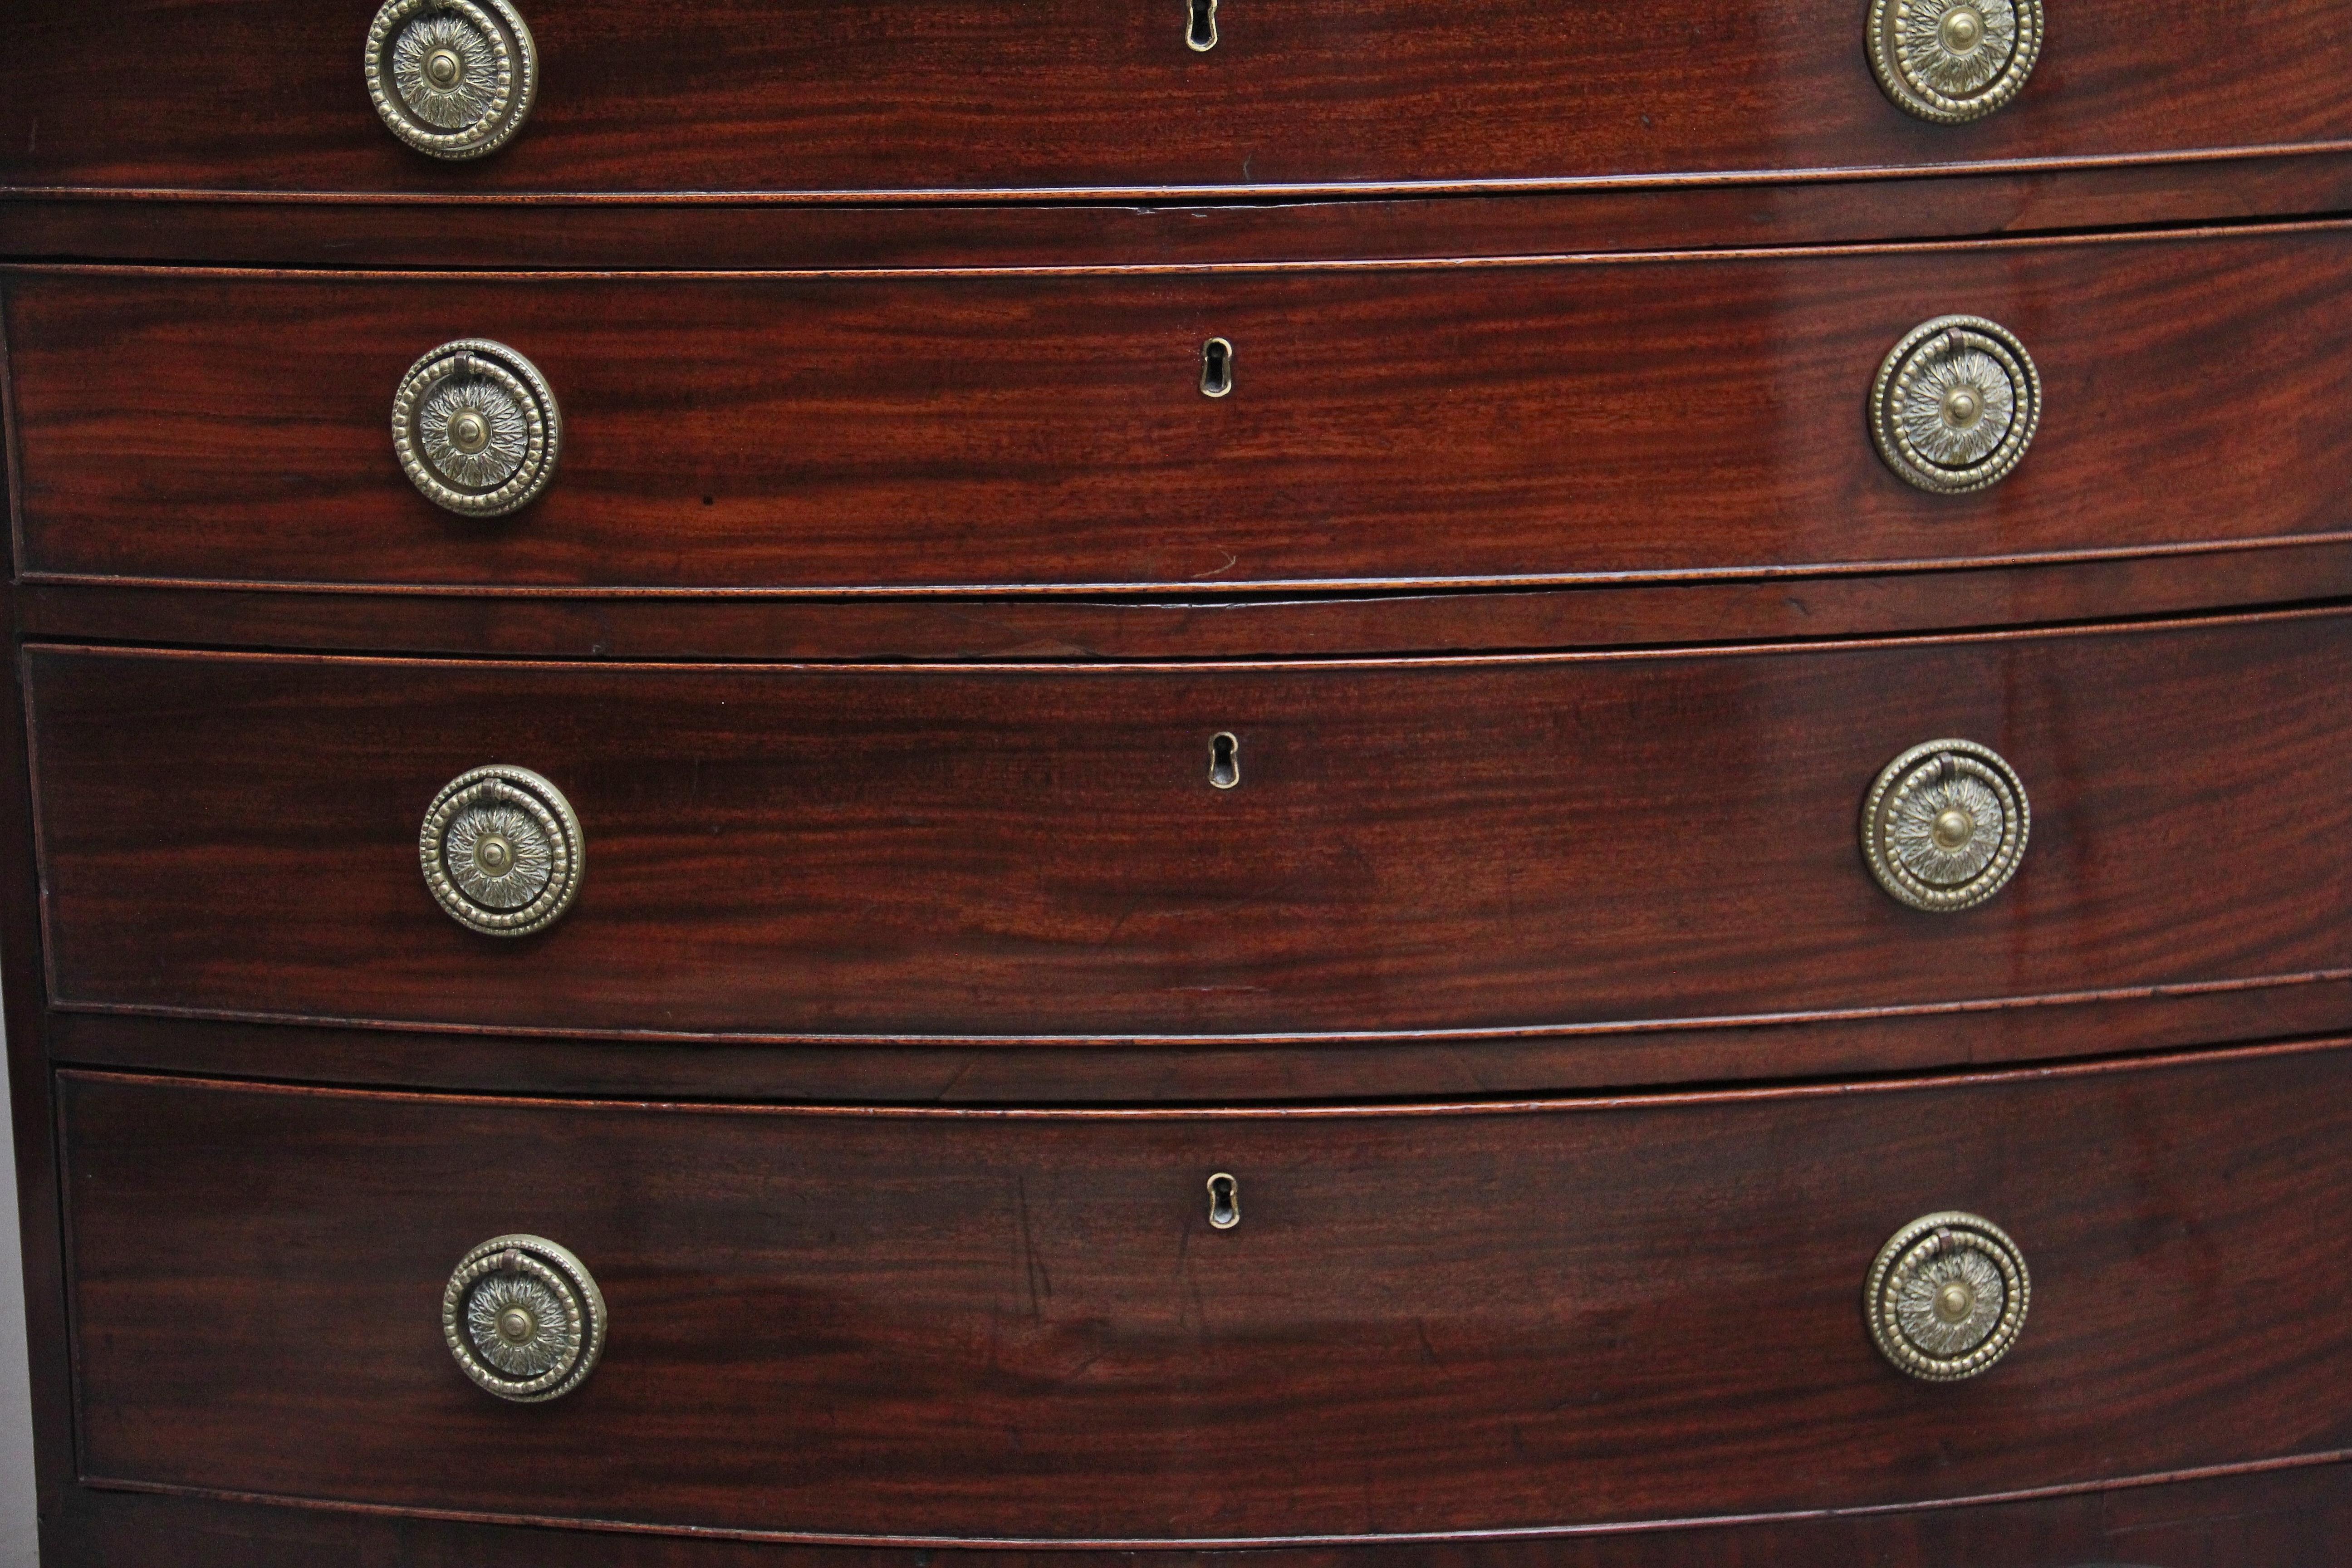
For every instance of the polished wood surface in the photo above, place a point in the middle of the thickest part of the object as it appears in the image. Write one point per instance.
(1573, 843)
(877, 627)
(894, 579)
(660, 232)
(944, 1326)
(941, 95)
(1228, 1072)
(1507, 424)
(2292, 1518)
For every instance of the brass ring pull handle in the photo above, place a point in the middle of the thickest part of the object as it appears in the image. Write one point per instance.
(1946, 1297)
(476, 428)
(524, 1318)
(1952, 61)
(453, 79)
(502, 852)
(1945, 825)
(1954, 404)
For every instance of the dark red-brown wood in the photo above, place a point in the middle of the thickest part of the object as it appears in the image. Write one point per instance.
(942, 95)
(2294, 1518)
(1515, 423)
(653, 232)
(834, 1320)
(1210, 1073)
(950, 1326)
(1066, 626)
(1573, 843)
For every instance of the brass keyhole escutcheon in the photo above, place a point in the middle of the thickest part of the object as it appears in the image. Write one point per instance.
(1200, 25)
(1224, 1202)
(1216, 368)
(1225, 762)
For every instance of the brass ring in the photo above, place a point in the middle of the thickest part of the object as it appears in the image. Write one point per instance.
(452, 79)
(524, 1318)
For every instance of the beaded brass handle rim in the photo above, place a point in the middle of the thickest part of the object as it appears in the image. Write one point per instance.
(1946, 1297)
(1952, 61)
(1954, 404)
(453, 79)
(523, 1318)
(477, 429)
(502, 853)
(1944, 825)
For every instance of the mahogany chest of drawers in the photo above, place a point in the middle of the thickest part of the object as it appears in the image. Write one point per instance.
(1321, 783)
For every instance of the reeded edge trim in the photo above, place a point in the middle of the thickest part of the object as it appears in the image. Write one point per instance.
(566, 1278)
(543, 419)
(517, 88)
(1979, 1235)
(1895, 374)
(567, 848)
(1924, 102)
(2017, 824)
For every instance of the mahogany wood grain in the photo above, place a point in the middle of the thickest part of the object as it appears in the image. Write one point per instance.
(1039, 627)
(2295, 1518)
(943, 95)
(1415, 425)
(1568, 844)
(656, 232)
(872, 889)
(939, 1326)
(1229, 1073)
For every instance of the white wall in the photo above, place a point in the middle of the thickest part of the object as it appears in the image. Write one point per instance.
(16, 1548)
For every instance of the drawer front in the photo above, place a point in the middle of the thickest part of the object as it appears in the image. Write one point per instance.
(1045, 852)
(926, 95)
(934, 1325)
(1498, 423)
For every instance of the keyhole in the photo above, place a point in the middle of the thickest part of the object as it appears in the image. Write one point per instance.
(1201, 32)
(1216, 368)
(1225, 762)
(1224, 1202)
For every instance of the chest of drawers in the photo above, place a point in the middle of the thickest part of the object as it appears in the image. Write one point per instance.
(1224, 781)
